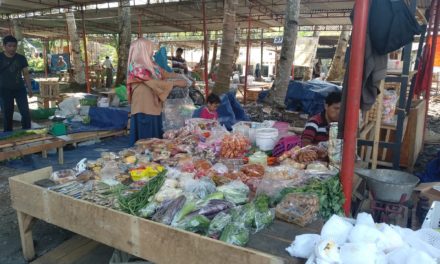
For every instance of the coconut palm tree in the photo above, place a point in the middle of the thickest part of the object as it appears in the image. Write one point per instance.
(227, 50)
(278, 92)
(336, 71)
(77, 62)
(124, 40)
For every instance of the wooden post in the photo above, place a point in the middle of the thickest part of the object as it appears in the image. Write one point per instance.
(86, 59)
(377, 126)
(25, 223)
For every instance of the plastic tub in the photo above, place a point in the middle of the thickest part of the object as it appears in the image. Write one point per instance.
(266, 138)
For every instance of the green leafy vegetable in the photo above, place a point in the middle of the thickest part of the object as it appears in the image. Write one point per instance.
(197, 224)
(220, 221)
(235, 234)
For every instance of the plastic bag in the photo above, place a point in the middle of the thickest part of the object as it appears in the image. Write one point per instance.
(327, 252)
(263, 215)
(303, 245)
(393, 239)
(148, 210)
(358, 253)
(253, 170)
(189, 206)
(165, 214)
(220, 221)
(285, 173)
(176, 111)
(367, 234)
(298, 208)
(244, 215)
(235, 192)
(166, 193)
(200, 188)
(235, 234)
(196, 223)
(234, 146)
(337, 229)
(213, 207)
(365, 219)
(389, 106)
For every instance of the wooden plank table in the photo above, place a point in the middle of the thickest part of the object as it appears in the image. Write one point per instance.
(137, 236)
(12, 148)
(93, 135)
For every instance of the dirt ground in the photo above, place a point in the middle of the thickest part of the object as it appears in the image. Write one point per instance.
(47, 236)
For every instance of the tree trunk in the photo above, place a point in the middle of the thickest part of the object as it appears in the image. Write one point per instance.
(278, 93)
(124, 41)
(308, 72)
(19, 36)
(77, 62)
(214, 57)
(227, 51)
(236, 49)
(336, 71)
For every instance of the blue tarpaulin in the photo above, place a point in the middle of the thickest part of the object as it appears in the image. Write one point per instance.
(108, 118)
(307, 97)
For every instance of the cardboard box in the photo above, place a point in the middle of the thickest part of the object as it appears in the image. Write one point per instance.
(429, 191)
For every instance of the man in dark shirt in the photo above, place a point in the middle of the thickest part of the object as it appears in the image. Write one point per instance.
(317, 127)
(13, 67)
(178, 61)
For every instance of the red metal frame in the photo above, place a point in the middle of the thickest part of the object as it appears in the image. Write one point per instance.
(433, 38)
(248, 43)
(354, 93)
(86, 58)
(205, 50)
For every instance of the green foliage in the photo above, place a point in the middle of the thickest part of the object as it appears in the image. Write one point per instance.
(37, 64)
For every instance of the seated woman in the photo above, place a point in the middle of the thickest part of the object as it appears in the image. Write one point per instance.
(317, 127)
(61, 64)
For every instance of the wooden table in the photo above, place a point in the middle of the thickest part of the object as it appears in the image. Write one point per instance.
(137, 236)
(12, 148)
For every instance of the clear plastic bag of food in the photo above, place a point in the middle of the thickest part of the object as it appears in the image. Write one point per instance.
(220, 221)
(298, 208)
(236, 192)
(284, 173)
(176, 111)
(148, 210)
(200, 188)
(235, 234)
(194, 223)
(264, 216)
(309, 154)
(234, 146)
(166, 212)
(253, 170)
(244, 215)
(272, 188)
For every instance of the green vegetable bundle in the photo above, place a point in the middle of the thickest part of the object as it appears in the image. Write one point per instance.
(136, 201)
(235, 234)
(329, 191)
(263, 215)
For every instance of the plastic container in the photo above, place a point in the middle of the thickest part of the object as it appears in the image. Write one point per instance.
(258, 158)
(266, 138)
(42, 113)
(58, 129)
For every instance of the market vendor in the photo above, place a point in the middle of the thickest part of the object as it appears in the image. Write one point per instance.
(148, 87)
(317, 127)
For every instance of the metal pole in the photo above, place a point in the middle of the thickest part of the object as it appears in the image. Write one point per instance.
(354, 93)
(248, 44)
(431, 66)
(85, 50)
(205, 52)
(261, 53)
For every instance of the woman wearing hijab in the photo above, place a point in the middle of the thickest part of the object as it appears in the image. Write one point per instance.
(148, 88)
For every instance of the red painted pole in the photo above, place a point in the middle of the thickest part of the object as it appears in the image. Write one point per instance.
(433, 51)
(86, 59)
(248, 44)
(354, 93)
(205, 50)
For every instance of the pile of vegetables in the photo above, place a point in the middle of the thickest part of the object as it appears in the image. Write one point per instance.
(329, 191)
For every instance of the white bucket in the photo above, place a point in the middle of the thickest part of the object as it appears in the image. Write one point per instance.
(266, 138)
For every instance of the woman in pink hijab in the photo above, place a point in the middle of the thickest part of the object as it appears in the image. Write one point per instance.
(147, 88)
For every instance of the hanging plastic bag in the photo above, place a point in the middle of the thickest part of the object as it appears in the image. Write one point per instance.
(177, 110)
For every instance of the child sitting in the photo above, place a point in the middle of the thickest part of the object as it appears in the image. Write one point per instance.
(210, 110)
